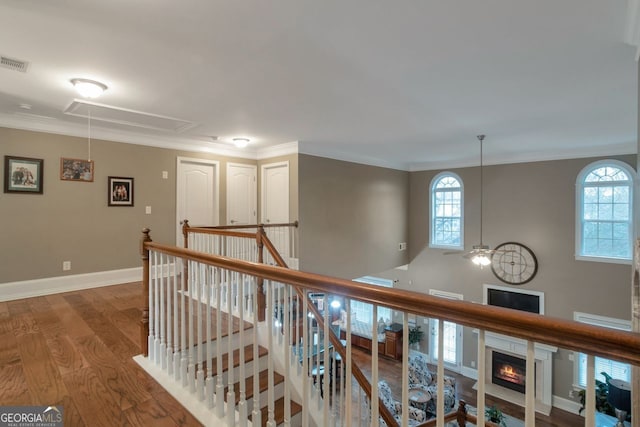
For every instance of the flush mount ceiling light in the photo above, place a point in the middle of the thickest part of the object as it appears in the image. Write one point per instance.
(88, 88)
(241, 142)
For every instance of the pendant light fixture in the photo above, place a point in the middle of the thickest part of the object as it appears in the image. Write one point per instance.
(481, 254)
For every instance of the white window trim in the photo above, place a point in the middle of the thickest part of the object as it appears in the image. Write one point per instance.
(596, 320)
(431, 208)
(580, 206)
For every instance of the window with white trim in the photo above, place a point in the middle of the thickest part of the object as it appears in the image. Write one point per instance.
(604, 210)
(617, 370)
(364, 311)
(446, 215)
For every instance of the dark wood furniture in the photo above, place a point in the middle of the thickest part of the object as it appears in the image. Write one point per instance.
(391, 347)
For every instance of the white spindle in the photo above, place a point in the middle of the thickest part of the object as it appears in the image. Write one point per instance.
(530, 387)
(287, 355)
(375, 409)
(231, 394)
(347, 363)
(269, 319)
(481, 375)
(193, 272)
(242, 404)
(200, 346)
(256, 415)
(159, 314)
(440, 386)
(590, 393)
(220, 274)
(209, 381)
(325, 362)
(152, 305)
(169, 310)
(306, 396)
(405, 368)
(184, 360)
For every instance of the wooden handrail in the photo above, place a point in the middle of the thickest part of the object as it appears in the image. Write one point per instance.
(203, 229)
(567, 334)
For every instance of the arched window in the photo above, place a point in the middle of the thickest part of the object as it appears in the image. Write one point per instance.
(604, 210)
(446, 211)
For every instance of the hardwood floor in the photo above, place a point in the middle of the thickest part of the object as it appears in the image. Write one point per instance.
(75, 350)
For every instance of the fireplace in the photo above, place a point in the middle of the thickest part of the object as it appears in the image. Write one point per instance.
(509, 371)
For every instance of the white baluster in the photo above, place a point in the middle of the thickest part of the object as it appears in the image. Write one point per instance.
(481, 375)
(440, 392)
(242, 404)
(375, 410)
(209, 341)
(219, 378)
(347, 363)
(269, 318)
(184, 358)
(200, 338)
(256, 415)
(325, 362)
(193, 272)
(152, 303)
(231, 395)
(287, 355)
(405, 368)
(590, 393)
(306, 397)
(169, 310)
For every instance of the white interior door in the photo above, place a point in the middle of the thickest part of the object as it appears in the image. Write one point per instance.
(452, 337)
(275, 204)
(241, 194)
(197, 193)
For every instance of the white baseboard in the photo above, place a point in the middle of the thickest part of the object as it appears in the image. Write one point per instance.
(53, 285)
(565, 404)
(469, 372)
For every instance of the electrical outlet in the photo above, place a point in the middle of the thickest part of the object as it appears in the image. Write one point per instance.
(473, 363)
(402, 246)
(572, 393)
(165, 175)
(66, 265)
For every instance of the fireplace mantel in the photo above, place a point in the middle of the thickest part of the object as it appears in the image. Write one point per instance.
(544, 369)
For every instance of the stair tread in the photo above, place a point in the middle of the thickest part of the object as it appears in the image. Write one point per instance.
(278, 411)
(263, 378)
(248, 357)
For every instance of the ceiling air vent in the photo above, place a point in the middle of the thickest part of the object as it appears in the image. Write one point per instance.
(13, 64)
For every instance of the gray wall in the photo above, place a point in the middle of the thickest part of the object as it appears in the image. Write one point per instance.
(530, 203)
(352, 217)
(71, 220)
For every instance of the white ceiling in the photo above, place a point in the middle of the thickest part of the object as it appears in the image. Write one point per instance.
(406, 84)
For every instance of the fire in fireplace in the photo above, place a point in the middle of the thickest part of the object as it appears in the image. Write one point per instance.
(509, 371)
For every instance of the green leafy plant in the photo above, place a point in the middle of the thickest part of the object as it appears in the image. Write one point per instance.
(495, 415)
(602, 394)
(415, 334)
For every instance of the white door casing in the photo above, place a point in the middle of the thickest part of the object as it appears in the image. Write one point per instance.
(241, 194)
(197, 193)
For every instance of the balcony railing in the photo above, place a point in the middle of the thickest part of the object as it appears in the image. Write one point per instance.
(201, 313)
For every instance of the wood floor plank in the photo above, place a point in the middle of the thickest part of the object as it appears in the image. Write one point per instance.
(117, 377)
(9, 353)
(95, 404)
(20, 306)
(150, 413)
(66, 354)
(119, 319)
(69, 319)
(14, 390)
(72, 416)
(24, 323)
(43, 378)
(180, 415)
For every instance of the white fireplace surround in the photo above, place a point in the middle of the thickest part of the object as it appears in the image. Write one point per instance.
(544, 370)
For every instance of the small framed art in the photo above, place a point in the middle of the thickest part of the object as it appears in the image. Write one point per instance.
(76, 170)
(23, 175)
(120, 191)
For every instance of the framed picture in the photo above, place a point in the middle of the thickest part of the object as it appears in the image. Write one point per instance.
(76, 170)
(120, 191)
(23, 175)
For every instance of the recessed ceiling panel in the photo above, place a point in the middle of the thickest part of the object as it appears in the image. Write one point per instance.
(111, 114)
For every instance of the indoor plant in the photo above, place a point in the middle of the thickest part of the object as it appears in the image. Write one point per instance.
(415, 334)
(495, 415)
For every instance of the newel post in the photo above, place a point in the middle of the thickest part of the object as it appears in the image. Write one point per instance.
(185, 264)
(144, 322)
(461, 414)
(262, 300)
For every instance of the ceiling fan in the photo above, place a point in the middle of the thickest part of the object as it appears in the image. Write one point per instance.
(479, 254)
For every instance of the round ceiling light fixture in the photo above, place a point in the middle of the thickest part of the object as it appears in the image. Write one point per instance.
(241, 142)
(89, 88)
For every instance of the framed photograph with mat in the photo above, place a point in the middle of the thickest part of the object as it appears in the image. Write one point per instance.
(23, 175)
(120, 191)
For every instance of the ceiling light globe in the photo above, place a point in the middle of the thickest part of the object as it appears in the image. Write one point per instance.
(89, 88)
(241, 142)
(481, 260)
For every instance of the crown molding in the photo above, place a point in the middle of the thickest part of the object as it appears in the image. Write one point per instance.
(532, 156)
(320, 151)
(278, 150)
(46, 124)
(632, 26)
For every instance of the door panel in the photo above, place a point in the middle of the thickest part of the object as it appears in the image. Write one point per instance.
(241, 194)
(275, 204)
(197, 193)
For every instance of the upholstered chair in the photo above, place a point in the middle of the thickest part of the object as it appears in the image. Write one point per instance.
(416, 416)
(420, 377)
